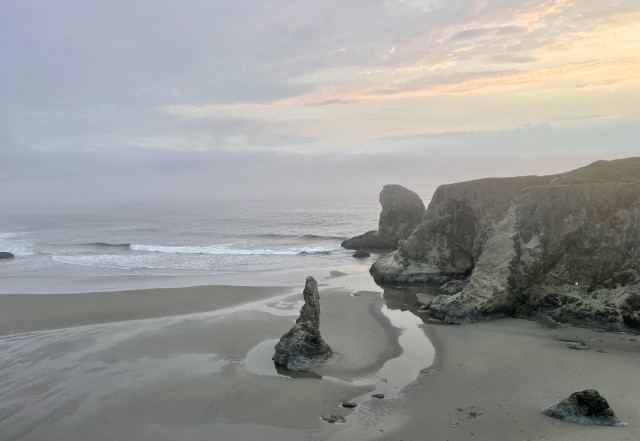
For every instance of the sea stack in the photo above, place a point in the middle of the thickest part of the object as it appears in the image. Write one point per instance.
(402, 211)
(302, 348)
(566, 245)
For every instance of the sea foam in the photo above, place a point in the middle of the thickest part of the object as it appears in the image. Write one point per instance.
(227, 250)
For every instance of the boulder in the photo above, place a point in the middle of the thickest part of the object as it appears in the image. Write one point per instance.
(402, 211)
(302, 348)
(567, 245)
(6, 255)
(588, 408)
(360, 254)
(453, 286)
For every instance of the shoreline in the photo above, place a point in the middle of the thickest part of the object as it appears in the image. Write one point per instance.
(496, 377)
(125, 356)
(21, 313)
(173, 376)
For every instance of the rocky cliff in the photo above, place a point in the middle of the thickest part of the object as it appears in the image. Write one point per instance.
(567, 245)
(302, 348)
(402, 211)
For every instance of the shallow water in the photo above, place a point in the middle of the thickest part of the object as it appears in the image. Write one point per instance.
(401, 308)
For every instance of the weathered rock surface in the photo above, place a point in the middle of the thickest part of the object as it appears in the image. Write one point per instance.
(587, 408)
(453, 286)
(360, 254)
(567, 245)
(6, 255)
(333, 418)
(402, 211)
(302, 348)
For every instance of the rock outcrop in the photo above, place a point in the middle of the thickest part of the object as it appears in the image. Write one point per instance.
(567, 245)
(6, 255)
(402, 211)
(302, 348)
(588, 408)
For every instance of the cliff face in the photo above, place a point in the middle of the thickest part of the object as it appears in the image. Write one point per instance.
(402, 211)
(567, 245)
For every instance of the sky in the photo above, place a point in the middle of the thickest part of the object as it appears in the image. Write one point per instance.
(166, 100)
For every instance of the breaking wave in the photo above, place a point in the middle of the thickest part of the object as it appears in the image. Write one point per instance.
(225, 250)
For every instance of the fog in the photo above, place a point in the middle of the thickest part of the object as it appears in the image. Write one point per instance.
(138, 101)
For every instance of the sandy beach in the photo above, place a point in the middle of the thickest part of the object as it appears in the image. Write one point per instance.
(194, 363)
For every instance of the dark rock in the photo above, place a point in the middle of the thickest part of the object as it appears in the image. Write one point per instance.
(333, 418)
(379, 396)
(361, 254)
(453, 286)
(578, 345)
(6, 255)
(630, 311)
(349, 404)
(302, 348)
(587, 408)
(371, 240)
(402, 211)
(565, 245)
(546, 321)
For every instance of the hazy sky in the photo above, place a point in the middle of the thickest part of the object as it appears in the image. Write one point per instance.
(169, 99)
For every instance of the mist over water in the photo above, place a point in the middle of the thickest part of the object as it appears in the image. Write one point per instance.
(187, 238)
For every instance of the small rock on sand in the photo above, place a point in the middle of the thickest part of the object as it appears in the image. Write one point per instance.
(380, 396)
(360, 254)
(333, 419)
(349, 404)
(578, 345)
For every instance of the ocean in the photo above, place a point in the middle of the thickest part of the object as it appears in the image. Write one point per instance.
(234, 236)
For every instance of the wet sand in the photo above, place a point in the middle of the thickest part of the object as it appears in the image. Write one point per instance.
(23, 313)
(194, 363)
(153, 374)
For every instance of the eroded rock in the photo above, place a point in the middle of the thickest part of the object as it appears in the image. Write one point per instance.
(302, 348)
(402, 211)
(587, 407)
(567, 245)
(453, 286)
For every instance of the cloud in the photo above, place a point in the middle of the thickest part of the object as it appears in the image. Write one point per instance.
(482, 32)
(214, 88)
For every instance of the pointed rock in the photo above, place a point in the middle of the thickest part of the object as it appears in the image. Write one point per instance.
(588, 408)
(302, 348)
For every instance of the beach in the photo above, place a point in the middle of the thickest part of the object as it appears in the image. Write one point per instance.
(194, 363)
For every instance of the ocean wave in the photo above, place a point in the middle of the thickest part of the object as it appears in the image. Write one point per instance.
(225, 250)
(13, 243)
(128, 262)
(110, 245)
(321, 237)
(300, 237)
